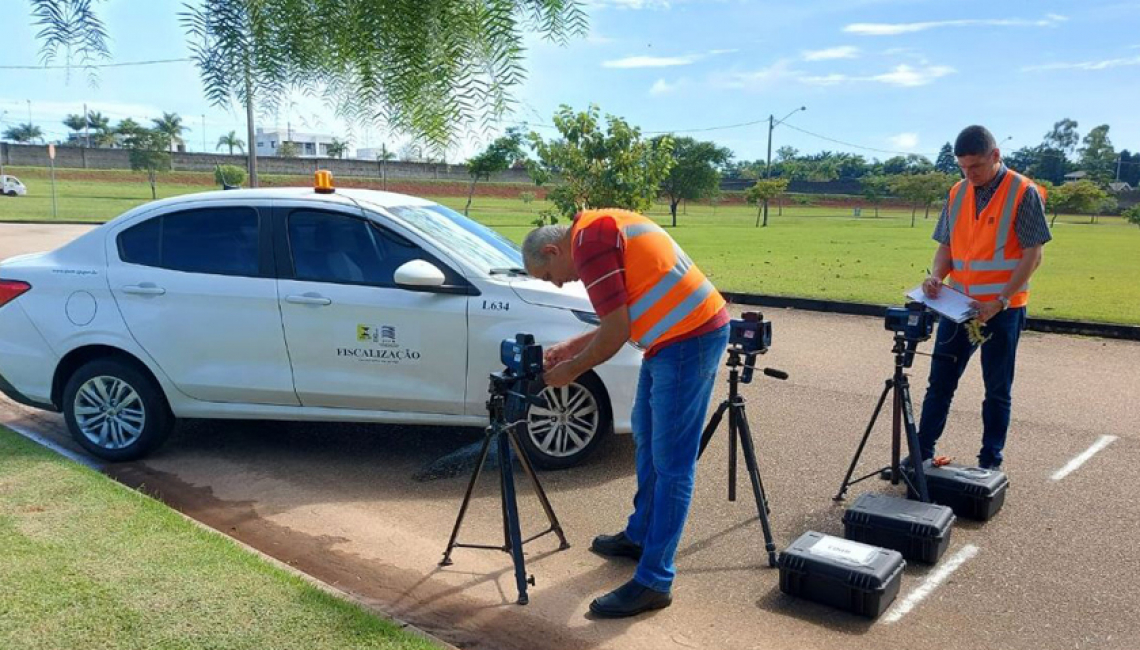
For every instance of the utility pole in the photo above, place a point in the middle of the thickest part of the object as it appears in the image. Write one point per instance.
(249, 130)
(772, 123)
(203, 133)
(86, 128)
(29, 111)
(1118, 158)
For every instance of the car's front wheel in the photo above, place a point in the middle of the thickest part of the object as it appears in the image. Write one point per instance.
(114, 411)
(11, 192)
(570, 427)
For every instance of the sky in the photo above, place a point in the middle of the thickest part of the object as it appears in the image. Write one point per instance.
(878, 76)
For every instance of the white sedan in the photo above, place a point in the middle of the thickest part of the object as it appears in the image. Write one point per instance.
(288, 304)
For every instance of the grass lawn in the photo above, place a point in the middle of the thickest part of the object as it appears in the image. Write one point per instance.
(89, 564)
(1089, 271)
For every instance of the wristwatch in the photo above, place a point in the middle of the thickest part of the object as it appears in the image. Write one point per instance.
(1004, 302)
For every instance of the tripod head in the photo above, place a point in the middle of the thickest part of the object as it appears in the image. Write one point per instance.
(749, 336)
(520, 382)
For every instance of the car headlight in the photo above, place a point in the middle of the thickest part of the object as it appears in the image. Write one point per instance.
(588, 317)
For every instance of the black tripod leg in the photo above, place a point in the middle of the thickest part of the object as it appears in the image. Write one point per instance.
(863, 443)
(506, 468)
(528, 469)
(446, 561)
(745, 433)
(735, 411)
(710, 428)
(913, 442)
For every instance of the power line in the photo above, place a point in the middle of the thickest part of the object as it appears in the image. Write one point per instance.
(92, 65)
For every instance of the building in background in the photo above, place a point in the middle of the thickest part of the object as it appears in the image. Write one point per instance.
(309, 145)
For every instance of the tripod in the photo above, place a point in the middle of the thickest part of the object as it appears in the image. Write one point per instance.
(504, 402)
(902, 413)
(738, 429)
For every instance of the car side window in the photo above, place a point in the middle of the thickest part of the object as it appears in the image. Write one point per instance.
(331, 247)
(217, 241)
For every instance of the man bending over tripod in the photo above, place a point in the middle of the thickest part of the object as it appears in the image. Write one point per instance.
(645, 290)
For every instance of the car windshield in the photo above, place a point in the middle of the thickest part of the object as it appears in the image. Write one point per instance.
(474, 242)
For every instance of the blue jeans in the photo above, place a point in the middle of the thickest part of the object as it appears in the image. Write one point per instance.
(998, 357)
(673, 393)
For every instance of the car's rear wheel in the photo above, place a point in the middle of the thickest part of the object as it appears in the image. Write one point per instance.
(114, 411)
(570, 427)
(11, 192)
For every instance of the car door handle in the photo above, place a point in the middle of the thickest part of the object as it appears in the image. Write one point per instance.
(309, 299)
(144, 289)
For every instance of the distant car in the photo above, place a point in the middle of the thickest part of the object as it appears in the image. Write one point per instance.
(287, 304)
(12, 186)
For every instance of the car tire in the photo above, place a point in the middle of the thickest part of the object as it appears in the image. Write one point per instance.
(115, 411)
(12, 193)
(565, 434)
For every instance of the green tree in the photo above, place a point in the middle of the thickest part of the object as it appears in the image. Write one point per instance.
(946, 162)
(695, 173)
(1098, 158)
(1081, 197)
(229, 175)
(498, 157)
(231, 140)
(128, 128)
(922, 190)
(75, 123)
(149, 152)
(612, 167)
(288, 149)
(1063, 137)
(23, 133)
(764, 191)
(1132, 215)
(908, 164)
(875, 188)
(382, 159)
(170, 125)
(104, 135)
(337, 148)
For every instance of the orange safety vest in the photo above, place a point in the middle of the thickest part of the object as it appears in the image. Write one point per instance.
(984, 247)
(668, 296)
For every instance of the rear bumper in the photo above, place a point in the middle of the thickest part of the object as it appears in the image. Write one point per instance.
(27, 362)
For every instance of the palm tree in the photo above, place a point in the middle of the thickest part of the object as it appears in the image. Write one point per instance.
(337, 148)
(75, 122)
(383, 157)
(128, 127)
(104, 137)
(24, 133)
(171, 125)
(231, 140)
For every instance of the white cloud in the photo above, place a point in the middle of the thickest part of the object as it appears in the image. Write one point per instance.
(1085, 65)
(893, 29)
(902, 75)
(904, 141)
(598, 39)
(662, 87)
(650, 62)
(841, 52)
(661, 61)
(756, 79)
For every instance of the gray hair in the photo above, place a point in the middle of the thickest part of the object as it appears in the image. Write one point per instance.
(539, 238)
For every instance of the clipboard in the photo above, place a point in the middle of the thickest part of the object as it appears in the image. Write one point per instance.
(950, 303)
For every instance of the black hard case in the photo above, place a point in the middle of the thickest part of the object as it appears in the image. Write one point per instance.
(972, 492)
(920, 531)
(862, 585)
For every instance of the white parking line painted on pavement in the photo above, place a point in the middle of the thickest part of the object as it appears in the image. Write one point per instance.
(67, 453)
(1072, 465)
(936, 577)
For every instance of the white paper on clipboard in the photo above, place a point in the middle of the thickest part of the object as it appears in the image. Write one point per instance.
(952, 304)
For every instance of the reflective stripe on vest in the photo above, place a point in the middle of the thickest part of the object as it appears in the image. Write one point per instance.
(677, 313)
(999, 262)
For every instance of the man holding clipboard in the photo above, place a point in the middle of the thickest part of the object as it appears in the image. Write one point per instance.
(991, 234)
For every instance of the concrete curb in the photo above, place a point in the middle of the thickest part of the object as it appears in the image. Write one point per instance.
(1049, 325)
(323, 586)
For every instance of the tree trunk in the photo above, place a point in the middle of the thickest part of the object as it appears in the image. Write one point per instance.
(1054, 221)
(153, 191)
(470, 193)
(759, 211)
(780, 211)
(673, 210)
(765, 213)
(927, 215)
(913, 212)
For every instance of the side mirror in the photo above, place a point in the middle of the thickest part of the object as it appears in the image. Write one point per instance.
(418, 274)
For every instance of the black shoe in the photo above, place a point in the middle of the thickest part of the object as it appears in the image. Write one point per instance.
(616, 546)
(993, 467)
(630, 599)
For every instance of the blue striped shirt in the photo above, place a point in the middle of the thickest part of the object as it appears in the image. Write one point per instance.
(1029, 223)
